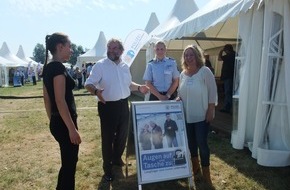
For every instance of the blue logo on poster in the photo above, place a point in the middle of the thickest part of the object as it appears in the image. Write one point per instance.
(129, 56)
(131, 53)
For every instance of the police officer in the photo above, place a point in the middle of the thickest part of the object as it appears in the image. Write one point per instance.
(161, 75)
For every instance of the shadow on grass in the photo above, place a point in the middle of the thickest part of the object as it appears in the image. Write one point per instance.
(271, 178)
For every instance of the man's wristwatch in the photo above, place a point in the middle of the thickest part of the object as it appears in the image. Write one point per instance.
(96, 91)
(168, 96)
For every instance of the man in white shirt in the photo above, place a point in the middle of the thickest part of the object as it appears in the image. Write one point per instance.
(110, 80)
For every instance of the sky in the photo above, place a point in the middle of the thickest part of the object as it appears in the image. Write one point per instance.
(27, 22)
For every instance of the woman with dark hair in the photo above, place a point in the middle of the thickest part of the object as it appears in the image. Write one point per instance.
(60, 107)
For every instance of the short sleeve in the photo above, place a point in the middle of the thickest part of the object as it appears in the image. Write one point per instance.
(148, 73)
(56, 69)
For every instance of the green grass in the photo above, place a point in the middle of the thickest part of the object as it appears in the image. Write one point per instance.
(30, 156)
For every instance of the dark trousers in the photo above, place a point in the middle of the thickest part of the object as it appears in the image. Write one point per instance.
(34, 80)
(228, 88)
(114, 116)
(68, 151)
(80, 80)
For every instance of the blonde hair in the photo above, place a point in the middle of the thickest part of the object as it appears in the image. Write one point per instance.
(198, 54)
(160, 43)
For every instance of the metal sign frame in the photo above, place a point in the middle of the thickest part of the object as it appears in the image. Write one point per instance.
(159, 160)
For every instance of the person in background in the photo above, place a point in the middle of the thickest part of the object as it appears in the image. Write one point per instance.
(227, 55)
(157, 137)
(170, 128)
(33, 77)
(60, 107)
(208, 63)
(198, 93)
(145, 138)
(84, 72)
(89, 68)
(161, 75)
(111, 81)
(22, 77)
(79, 77)
(71, 72)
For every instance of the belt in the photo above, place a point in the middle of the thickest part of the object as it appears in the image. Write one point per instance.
(121, 100)
(163, 93)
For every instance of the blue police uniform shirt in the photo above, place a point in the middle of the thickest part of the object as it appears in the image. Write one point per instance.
(161, 73)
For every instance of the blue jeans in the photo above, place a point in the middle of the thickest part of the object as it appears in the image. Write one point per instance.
(197, 134)
(171, 141)
(228, 88)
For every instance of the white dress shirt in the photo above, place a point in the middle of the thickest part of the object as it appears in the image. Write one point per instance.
(114, 79)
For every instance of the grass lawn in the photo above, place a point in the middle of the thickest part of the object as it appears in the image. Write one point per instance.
(30, 156)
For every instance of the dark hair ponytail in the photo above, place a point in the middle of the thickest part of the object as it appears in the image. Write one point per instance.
(51, 41)
(46, 49)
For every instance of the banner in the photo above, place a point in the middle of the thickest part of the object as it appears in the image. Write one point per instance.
(132, 45)
(160, 141)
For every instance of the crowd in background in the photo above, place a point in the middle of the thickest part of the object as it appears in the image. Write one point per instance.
(80, 74)
(22, 75)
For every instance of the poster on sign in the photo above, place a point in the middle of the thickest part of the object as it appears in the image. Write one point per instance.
(160, 141)
(132, 45)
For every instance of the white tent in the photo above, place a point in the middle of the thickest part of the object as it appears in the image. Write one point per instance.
(212, 26)
(31, 62)
(182, 9)
(14, 61)
(20, 53)
(152, 23)
(3, 63)
(96, 53)
(262, 87)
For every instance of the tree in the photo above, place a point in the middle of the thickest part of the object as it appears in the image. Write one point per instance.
(77, 50)
(39, 53)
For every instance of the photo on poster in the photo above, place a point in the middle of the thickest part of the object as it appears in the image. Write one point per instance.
(160, 141)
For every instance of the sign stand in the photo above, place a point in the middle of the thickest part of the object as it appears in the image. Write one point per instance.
(160, 142)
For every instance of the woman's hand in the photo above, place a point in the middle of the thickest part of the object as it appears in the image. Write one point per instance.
(75, 137)
(210, 113)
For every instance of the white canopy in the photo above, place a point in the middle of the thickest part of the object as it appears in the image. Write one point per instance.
(96, 53)
(152, 23)
(31, 63)
(214, 25)
(16, 61)
(13, 61)
(3, 70)
(22, 56)
(182, 9)
(262, 82)
(4, 61)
